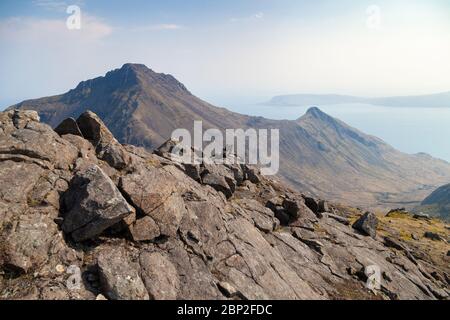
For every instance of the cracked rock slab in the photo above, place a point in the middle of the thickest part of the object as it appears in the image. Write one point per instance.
(93, 203)
(119, 276)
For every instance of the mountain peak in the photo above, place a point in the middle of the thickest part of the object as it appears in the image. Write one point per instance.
(317, 114)
(148, 76)
(130, 75)
(315, 111)
(135, 67)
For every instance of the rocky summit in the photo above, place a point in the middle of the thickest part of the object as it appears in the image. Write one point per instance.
(85, 217)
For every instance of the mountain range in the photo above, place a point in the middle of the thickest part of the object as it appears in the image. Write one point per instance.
(320, 155)
(439, 100)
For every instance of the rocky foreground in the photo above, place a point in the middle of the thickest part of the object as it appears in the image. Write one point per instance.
(84, 217)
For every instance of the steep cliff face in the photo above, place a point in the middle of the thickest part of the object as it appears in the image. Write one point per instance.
(84, 217)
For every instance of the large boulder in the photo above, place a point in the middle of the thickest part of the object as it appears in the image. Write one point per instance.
(155, 194)
(218, 182)
(35, 142)
(21, 118)
(107, 147)
(220, 178)
(92, 204)
(296, 208)
(252, 174)
(68, 126)
(27, 245)
(367, 224)
(147, 188)
(34, 164)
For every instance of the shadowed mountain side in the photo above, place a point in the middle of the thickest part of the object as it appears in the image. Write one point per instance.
(319, 154)
(437, 203)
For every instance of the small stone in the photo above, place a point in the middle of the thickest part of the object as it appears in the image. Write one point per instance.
(352, 271)
(397, 211)
(433, 236)
(227, 289)
(387, 276)
(100, 297)
(323, 206)
(273, 203)
(392, 243)
(422, 216)
(60, 268)
(340, 219)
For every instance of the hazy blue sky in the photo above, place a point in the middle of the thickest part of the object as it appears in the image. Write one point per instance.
(234, 49)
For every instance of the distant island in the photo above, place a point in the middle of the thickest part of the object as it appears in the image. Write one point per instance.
(439, 100)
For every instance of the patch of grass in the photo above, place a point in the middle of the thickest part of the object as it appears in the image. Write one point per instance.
(403, 226)
(405, 236)
(33, 202)
(154, 163)
(399, 215)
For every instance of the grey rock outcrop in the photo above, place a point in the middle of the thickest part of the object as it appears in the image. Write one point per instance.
(68, 126)
(107, 147)
(93, 203)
